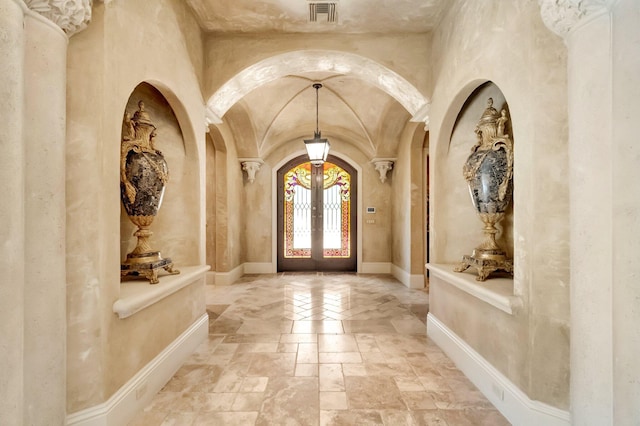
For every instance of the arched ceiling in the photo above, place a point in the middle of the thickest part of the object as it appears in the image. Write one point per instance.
(273, 102)
(285, 110)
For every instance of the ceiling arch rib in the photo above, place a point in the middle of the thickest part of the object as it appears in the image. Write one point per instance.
(307, 61)
(356, 117)
(265, 137)
(262, 148)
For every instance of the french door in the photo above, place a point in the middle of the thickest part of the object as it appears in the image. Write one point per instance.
(317, 209)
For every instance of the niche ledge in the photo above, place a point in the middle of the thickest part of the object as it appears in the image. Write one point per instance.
(137, 295)
(497, 292)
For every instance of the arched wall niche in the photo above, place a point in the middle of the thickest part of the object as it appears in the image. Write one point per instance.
(457, 226)
(173, 232)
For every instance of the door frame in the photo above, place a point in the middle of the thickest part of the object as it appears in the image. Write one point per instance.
(274, 206)
(317, 261)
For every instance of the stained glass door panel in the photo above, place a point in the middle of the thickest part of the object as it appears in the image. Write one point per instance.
(336, 212)
(297, 212)
(316, 229)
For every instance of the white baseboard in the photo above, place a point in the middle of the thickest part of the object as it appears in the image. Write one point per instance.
(259, 268)
(138, 392)
(376, 267)
(514, 404)
(410, 281)
(228, 278)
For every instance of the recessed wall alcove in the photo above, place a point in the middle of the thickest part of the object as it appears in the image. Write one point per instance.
(174, 233)
(462, 225)
(457, 227)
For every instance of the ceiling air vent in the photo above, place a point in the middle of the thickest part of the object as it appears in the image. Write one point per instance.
(323, 12)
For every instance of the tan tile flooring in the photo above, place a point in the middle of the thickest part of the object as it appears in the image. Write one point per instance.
(318, 349)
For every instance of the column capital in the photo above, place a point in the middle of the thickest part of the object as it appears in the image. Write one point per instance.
(70, 15)
(562, 16)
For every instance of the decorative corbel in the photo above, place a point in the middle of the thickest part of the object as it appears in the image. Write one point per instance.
(383, 165)
(251, 166)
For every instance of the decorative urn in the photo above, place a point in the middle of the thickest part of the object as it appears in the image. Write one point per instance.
(143, 176)
(489, 175)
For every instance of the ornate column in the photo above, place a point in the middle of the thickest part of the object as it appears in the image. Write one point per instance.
(586, 27)
(33, 87)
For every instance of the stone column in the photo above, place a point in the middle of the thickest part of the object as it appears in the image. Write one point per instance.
(33, 46)
(625, 156)
(11, 212)
(44, 235)
(604, 162)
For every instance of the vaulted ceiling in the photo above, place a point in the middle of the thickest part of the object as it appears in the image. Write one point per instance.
(351, 109)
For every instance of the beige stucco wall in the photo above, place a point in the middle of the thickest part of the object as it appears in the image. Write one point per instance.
(210, 201)
(474, 44)
(407, 201)
(127, 43)
(224, 198)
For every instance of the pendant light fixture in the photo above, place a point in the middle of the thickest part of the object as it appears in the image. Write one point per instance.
(317, 148)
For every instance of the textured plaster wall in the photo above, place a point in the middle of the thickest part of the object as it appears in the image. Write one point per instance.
(224, 196)
(473, 44)
(406, 202)
(127, 43)
(236, 231)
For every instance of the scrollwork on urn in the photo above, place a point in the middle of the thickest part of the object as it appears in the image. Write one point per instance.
(489, 175)
(143, 176)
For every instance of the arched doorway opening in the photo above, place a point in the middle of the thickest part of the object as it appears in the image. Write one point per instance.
(317, 216)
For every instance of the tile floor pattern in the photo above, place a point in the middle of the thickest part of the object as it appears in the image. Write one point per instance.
(318, 349)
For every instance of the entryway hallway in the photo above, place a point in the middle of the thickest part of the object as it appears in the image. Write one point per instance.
(318, 349)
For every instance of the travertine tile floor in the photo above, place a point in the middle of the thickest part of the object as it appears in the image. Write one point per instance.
(318, 349)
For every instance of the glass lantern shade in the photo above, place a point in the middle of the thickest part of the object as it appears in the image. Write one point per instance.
(317, 149)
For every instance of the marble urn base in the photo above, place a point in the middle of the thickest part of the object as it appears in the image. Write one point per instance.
(146, 265)
(485, 266)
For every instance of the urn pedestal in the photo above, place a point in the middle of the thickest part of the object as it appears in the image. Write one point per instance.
(143, 175)
(488, 171)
